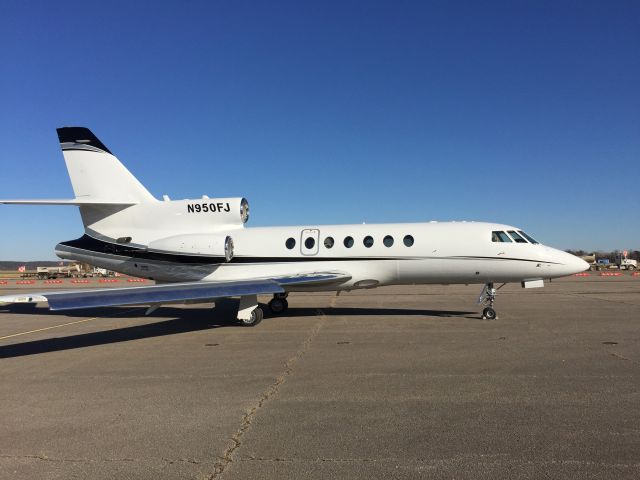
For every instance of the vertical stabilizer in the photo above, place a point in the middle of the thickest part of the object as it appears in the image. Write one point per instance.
(95, 173)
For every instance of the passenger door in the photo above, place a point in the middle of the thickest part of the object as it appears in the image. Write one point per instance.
(309, 241)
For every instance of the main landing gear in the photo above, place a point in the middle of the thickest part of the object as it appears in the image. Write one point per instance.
(487, 298)
(278, 303)
(251, 314)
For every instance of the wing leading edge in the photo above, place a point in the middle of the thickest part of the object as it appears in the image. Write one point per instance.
(172, 292)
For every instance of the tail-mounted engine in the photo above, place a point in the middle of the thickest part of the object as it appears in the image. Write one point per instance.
(218, 210)
(196, 244)
(145, 222)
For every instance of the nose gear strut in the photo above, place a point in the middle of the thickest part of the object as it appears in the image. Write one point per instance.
(487, 298)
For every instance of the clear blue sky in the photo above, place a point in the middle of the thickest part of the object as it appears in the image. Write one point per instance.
(521, 112)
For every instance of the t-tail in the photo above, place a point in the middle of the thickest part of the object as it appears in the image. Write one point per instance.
(102, 185)
(116, 207)
(96, 174)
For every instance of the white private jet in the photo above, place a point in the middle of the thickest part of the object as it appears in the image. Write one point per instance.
(200, 250)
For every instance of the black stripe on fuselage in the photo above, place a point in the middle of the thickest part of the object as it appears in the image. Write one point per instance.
(92, 245)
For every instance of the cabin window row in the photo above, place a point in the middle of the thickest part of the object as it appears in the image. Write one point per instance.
(349, 242)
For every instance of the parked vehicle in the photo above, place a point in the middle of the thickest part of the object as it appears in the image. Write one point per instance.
(101, 272)
(621, 263)
(625, 263)
(63, 271)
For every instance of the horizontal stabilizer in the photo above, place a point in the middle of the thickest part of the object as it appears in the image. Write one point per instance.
(64, 201)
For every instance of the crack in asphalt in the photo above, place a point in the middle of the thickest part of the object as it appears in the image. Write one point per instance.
(247, 419)
(489, 459)
(46, 458)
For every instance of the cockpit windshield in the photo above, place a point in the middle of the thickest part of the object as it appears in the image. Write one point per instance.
(512, 236)
(516, 236)
(498, 236)
(528, 237)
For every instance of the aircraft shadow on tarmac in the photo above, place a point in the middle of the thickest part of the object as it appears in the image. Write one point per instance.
(185, 320)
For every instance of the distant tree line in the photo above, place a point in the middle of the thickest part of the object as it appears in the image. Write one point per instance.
(632, 254)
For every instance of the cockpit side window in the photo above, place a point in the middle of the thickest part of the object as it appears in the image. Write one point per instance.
(498, 236)
(528, 237)
(516, 237)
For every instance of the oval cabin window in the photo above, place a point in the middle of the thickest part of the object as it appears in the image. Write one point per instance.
(408, 240)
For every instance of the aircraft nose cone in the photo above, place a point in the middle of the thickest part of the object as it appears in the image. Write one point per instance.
(575, 264)
(584, 265)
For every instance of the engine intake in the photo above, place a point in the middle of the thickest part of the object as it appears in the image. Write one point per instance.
(220, 210)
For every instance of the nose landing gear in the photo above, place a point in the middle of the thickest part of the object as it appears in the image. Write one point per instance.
(489, 314)
(487, 298)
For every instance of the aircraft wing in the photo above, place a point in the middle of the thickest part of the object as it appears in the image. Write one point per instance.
(173, 292)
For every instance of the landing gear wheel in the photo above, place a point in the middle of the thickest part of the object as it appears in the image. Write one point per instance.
(278, 305)
(255, 319)
(487, 298)
(489, 314)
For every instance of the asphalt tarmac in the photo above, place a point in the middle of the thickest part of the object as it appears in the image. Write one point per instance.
(398, 382)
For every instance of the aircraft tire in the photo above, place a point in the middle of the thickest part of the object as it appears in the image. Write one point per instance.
(256, 318)
(278, 305)
(489, 314)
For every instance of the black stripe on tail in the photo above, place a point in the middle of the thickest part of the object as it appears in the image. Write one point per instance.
(80, 136)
